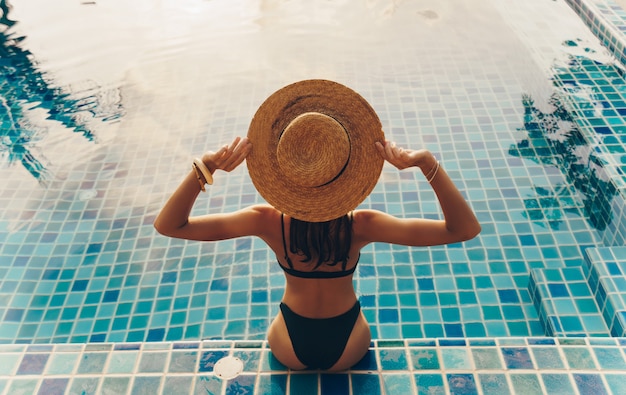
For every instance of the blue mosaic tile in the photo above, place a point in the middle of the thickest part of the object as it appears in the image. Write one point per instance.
(557, 383)
(393, 359)
(304, 384)
(83, 385)
(334, 383)
(526, 383)
(517, 358)
(32, 364)
(493, 384)
(487, 358)
(243, 384)
(272, 384)
(547, 358)
(430, 383)
(397, 383)
(616, 382)
(579, 358)
(208, 359)
(589, 383)
(177, 385)
(53, 386)
(365, 384)
(208, 385)
(462, 384)
(452, 358)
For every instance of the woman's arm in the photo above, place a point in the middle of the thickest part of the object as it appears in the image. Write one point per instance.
(174, 219)
(459, 223)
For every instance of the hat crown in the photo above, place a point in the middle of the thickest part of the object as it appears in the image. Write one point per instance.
(314, 156)
(313, 149)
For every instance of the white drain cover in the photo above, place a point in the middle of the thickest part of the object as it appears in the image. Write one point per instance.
(228, 367)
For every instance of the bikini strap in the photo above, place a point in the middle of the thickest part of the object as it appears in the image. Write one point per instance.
(282, 227)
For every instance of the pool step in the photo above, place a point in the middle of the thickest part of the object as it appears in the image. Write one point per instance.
(606, 275)
(583, 301)
(565, 303)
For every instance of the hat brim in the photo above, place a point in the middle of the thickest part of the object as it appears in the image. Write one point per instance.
(348, 189)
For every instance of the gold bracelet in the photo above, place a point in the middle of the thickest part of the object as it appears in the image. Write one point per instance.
(431, 171)
(431, 178)
(203, 174)
(199, 177)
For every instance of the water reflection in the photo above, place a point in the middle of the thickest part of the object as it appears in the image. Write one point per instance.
(553, 139)
(23, 88)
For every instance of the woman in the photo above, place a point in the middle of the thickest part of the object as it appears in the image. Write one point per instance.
(319, 324)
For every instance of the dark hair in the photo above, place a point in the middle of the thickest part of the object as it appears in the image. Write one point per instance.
(329, 241)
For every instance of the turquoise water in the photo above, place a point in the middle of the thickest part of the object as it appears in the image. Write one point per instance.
(101, 117)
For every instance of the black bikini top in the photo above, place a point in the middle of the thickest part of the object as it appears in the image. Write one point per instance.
(314, 274)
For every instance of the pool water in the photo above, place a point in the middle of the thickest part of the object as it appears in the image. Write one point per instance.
(102, 115)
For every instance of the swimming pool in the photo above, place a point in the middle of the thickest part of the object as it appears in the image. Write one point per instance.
(101, 116)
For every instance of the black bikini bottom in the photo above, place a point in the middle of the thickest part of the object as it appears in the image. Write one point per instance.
(319, 342)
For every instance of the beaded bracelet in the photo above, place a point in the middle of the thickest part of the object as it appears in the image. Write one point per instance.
(203, 174)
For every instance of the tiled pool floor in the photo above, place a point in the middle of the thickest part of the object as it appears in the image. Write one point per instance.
(80, 262)
(422, 366)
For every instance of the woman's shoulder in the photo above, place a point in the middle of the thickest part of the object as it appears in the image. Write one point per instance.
(363, 221)
(364, 216)
(265, 211)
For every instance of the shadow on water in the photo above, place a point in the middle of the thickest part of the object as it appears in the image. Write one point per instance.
(554, 139)
(22, 88)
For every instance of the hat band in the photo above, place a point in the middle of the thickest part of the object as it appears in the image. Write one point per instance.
(313, 150)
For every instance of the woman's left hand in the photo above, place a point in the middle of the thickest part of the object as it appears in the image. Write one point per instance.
(228, 157)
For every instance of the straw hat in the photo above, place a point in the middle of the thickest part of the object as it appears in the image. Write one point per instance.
(313, 155)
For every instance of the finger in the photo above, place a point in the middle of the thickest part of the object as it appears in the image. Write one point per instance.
(235, 161)
(397, 151)
(234, 144)
(237, 156)
(220, 152)
(389, 146)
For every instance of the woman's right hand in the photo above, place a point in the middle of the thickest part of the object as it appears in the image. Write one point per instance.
(403, 158)
(228, 157)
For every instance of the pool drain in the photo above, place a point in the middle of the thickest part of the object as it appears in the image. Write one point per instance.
(228, 367)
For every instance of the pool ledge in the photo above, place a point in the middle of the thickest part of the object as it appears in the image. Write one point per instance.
(475, 365)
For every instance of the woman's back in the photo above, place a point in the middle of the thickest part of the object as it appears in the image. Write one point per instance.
(321, 292)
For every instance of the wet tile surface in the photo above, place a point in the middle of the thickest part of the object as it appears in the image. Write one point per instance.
(489, 366)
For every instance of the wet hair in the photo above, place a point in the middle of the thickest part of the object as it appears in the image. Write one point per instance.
(328, 241)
